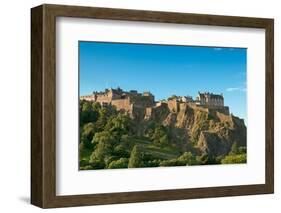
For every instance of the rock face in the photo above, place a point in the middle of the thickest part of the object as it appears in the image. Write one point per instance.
(212, 131)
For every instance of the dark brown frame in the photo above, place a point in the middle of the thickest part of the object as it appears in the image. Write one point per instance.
(43, 105)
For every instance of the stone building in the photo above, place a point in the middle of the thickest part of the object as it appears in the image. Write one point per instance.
(143, 104)
(122, 99)
(210, 99)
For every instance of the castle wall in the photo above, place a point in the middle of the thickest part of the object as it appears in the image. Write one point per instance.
(215, 102)
(107, 96)
(88, 98)
(104, 98)
(120, 104)
(113, 95)
(143, 101)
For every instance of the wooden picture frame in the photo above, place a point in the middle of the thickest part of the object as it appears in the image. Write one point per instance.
(43, 105)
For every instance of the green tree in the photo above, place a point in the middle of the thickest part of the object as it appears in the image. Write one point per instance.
(97, 163)
(104, 114)
(242, 150)
(188, 158)
(124, 147)
(117, 164)
(118, 125)
(87, 134)
(136, 158)
(185, 159)
(87, 167)
(160, 136)
(88, 130)
(87, 113)
(96, 106)
(236, 155)
(234, 149)
(105, 143)
(206, 159)
(172, 162)
(149, 128)
(233, 159)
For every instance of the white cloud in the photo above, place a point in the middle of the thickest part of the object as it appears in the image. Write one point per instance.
(233, 89)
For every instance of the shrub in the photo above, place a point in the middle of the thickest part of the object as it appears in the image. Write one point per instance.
(231, 159)
(188, 158)
(87, 167)
(97, 163)
(172, 162)
(185, 159)
(136, 158)
(83, 163)
(121, 163)
(160, 136)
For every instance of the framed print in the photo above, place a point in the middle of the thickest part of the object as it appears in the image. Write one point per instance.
(136, 106)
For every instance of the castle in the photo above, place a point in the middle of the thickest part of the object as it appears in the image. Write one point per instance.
(122, 99)
(144, 104)
(210, 99)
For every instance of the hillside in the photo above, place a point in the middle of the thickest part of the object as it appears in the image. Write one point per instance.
(166, 135)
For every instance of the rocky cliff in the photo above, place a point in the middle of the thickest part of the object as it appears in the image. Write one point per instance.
(209, 131)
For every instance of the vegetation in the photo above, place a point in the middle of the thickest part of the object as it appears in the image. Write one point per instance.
(236, 155)
(110, 139)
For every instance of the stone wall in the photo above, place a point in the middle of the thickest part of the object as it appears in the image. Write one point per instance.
(113, 95)
(215, 102)
(87, 97)
(122, 104)
(143, 101)
(104, 98)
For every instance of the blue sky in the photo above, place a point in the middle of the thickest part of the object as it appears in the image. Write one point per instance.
(165, 70)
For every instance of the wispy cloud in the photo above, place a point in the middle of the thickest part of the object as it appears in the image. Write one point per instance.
(234, 89)
(224, 48)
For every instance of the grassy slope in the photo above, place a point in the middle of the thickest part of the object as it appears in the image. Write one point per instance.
(165, 153)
